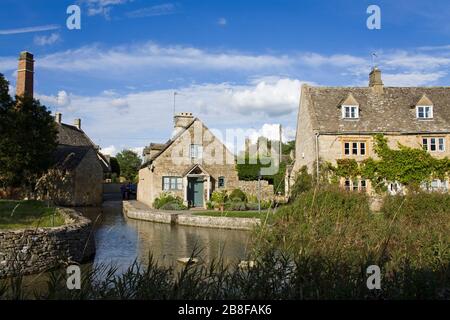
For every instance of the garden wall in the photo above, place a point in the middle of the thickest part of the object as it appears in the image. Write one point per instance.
(28, 251)
(251, 187)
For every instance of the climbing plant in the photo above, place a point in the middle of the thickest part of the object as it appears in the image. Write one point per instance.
(408, 166)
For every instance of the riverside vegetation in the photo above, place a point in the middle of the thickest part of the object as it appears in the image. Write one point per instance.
(317, 247)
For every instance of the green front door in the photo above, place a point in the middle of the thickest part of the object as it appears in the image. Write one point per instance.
(195, 192)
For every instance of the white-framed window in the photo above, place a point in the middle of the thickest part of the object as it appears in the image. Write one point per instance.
(424, 112)
(355, 185)
(350, 112)
(435, 185)
(172, 183)
(433, 144)
(355, 148)
(196, 151)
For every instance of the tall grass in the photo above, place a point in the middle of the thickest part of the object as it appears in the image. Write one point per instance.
(319, 247)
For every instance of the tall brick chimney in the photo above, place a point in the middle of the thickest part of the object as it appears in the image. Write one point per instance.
(25, 74)
(375, 81)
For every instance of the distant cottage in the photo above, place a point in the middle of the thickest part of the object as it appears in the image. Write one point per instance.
(76, 177)
(339, 123)
(191, 165)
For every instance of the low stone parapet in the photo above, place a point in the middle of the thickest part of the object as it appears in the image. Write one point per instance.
(36, 250)
(183, 218)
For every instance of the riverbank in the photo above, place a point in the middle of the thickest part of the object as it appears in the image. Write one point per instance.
(139, 211)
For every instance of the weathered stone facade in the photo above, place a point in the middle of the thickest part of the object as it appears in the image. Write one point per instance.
(323, 130)
(252, 188)
(36, 250)
(174, 160)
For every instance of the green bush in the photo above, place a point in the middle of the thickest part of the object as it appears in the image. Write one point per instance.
(238, 195)
(235, 206)
(303, 183)
(167, 201)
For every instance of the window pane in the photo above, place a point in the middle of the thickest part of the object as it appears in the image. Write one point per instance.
(347, 184)
(347, 148)
(355, 185)
(179, 183)
(433, 144)
(425, 144)
(355, 148)
(441, 144)
(221, 182)
(420, 112)
(427, 112)
(363, 184)
(173, 183)
(362, 148)
(347, 112)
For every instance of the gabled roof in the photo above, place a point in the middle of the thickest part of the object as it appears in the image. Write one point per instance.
(193, 168)
(390, 111)
(72, 136)
(349, 101)
(424, 101)
(165, 146)
(69, 157)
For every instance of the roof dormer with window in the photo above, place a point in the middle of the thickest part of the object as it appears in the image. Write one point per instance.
(350, 108)
(424, 109)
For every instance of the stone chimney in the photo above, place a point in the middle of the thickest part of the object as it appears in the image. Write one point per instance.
(181, 121)
(375, 81)
(58, 117)
(77, 123)
(25, 74)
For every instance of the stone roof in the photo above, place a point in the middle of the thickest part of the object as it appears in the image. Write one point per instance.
(72, 136)
(69, 157)
(390, 111)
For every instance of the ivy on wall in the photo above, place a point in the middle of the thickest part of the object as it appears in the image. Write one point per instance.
(408, 166)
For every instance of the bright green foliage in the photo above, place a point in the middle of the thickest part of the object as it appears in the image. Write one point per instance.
(408, 166)
(238, 195)
(303, 183)
(167, 201)
(28, 214)
(129, 163)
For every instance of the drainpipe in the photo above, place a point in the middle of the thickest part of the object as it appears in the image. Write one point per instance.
(317, 156)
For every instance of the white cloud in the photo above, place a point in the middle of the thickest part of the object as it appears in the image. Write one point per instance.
(272, 132)
(47, 40)
(150, 55)
(102, 7)
(61, 99)
(222, 22)
(110, 151)
(157, 10)
(29, 29)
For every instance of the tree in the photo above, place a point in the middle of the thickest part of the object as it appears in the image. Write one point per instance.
(28, 139)
(115, 166)
(129, 163)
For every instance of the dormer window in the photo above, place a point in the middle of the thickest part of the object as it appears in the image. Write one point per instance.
(424, 112)
(350, 112)
(350, 107)
(424, 108)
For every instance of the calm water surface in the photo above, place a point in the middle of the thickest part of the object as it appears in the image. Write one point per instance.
(120, 240)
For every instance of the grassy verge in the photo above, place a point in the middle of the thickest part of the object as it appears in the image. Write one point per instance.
(22, 214)
(231, 214)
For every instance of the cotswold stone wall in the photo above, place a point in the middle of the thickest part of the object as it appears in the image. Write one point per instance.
(28, 251)
(251, 187)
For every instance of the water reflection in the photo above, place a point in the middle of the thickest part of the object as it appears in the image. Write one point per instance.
(120, 240)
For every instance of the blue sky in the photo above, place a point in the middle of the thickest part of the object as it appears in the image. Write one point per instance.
(236, 64)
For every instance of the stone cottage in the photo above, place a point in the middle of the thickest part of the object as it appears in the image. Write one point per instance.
(76, 177)
(191, 165)
(339, 123)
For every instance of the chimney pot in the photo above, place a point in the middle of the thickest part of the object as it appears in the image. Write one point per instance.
(375, 81)
(77, 123)
(25, 74)
(58, 117)
(181, 121)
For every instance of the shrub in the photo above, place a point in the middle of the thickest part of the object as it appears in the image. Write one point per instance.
(238, 195)
(167, 201)
(219, 198)
(303, 183)
(235, 206)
